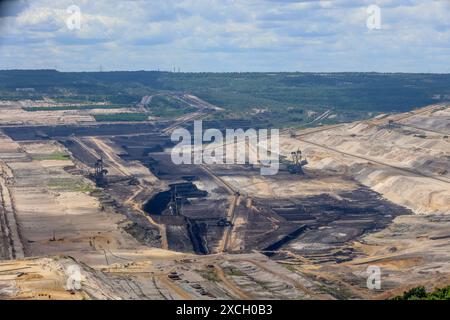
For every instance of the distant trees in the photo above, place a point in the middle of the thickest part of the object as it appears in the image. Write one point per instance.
(420, 293)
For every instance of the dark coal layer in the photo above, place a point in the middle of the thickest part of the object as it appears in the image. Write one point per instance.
(24, 133)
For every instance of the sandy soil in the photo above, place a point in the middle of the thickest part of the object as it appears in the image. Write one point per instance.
(401, 163)
(54, 210)
(57, 216)
(12, 113)
(409, 167)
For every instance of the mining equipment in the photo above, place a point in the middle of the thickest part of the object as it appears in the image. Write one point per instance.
(100, 173)
(176, 202)
(391, 124)
(296, 163)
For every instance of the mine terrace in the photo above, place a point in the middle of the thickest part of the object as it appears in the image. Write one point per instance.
(107, 194)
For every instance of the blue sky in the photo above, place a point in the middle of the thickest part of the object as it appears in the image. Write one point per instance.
(227, 35)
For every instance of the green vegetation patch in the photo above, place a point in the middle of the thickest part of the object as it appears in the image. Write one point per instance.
(210, 275)
(420, 293)
(286, 98)
(65, 108)
(51, 156)
(234, 272)
(166, 107)
(70, 184)
(122, 117)
(290, 267)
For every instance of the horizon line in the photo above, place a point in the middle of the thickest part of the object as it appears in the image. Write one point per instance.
(231, 72)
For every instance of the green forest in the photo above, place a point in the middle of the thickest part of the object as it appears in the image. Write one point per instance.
(282, 97)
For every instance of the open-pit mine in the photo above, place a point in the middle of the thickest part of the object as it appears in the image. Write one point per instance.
(105, 198)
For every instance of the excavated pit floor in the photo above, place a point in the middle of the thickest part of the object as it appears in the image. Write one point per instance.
(318, 226)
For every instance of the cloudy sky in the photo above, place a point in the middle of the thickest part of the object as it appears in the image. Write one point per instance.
(226, 35)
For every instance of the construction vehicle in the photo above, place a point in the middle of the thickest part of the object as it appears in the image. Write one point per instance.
(224, 223)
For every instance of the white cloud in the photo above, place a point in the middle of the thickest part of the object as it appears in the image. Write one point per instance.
(218, 35)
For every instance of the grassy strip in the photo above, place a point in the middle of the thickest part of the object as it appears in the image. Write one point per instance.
(209, 275)
(121, 117)
(70, 184)
(66, 108)
(234, 272)
(170, 112)
(167, 107)
(52, 156)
